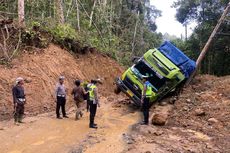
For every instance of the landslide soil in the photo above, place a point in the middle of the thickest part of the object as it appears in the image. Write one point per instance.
(198, 121)
(42, 69)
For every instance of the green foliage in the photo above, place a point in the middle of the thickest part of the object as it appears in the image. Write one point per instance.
(111, 31)
(61, 32)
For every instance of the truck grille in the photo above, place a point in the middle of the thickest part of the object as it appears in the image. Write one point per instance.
(134, 88)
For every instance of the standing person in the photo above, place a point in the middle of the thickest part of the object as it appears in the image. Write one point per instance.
(78, 92)
(19, 100)
(145, 98)
(61, 98)
(93, 101)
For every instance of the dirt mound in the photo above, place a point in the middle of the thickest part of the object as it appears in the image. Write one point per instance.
(41, 69)
(204, 107)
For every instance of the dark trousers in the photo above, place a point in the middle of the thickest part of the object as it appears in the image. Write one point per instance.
(60, 104)
(145, 109)
(19, 112)
(93, 110)
(88, 105)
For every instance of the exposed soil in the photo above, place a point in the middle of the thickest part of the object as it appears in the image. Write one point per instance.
(42, 69)
(198, 121)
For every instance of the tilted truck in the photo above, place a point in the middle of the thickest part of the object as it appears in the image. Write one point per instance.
(166, 67)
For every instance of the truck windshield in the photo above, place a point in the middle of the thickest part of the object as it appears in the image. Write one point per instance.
(154, 77)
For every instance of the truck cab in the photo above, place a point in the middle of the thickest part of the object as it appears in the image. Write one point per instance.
(163, 75)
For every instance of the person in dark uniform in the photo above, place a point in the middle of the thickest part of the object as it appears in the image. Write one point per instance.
(94, 102)
(60, 93)
(146, 95)
(79, 93)
(19, 100)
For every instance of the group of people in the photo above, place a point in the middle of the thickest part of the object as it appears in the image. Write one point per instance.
(80, 94)
(87, 92)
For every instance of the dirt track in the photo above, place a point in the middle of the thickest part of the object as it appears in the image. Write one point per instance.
(46, 134)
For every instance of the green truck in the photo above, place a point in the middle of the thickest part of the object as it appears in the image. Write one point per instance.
(166, 67)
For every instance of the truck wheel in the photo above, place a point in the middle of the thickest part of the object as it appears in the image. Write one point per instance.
(117, 90)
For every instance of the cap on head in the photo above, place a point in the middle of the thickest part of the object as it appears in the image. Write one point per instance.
(19, 79)
(61, 78)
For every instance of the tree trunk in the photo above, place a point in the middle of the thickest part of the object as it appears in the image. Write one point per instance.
(209, 42)
(60, 13)
(134, 34)
(78, 16)
(91, 14)
(21, 13)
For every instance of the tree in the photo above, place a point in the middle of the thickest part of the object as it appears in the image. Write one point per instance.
(78, 15)
(21, 13)
(206, 13)
(108, 25)
(60, 13)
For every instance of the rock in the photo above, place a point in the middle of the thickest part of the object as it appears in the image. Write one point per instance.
(46, 107)
(199, 112)
(128, 139)
(28, 80)
(173, 100)
(158, 133)
(185, 108)
(159, 119)
(163, 103)
(188, 100)
(212, 120)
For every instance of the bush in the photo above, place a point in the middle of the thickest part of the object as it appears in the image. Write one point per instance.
(63, 31)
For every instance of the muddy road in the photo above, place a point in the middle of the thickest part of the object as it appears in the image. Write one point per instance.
(46, 134)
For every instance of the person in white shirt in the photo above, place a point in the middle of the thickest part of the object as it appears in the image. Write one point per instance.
(60, 93)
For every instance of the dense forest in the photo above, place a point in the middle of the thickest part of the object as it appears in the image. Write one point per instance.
(122, 28)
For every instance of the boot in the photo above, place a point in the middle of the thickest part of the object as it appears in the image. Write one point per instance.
(16, 120)
(92, 126)
(20, 119)
(77, 116)
(81, 114)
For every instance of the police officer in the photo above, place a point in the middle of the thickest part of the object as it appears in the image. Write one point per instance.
(60, 93)
(146, 94)
(93, 101)
(19, 100)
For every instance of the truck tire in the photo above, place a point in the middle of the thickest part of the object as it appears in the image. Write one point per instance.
(117, 90)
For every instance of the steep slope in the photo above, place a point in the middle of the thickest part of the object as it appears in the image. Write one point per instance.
(41, 69)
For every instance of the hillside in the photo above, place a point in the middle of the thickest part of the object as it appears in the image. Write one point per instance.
(41, 70)
(198, 121)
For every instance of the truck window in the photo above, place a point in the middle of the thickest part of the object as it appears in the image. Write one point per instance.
(155, 79)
